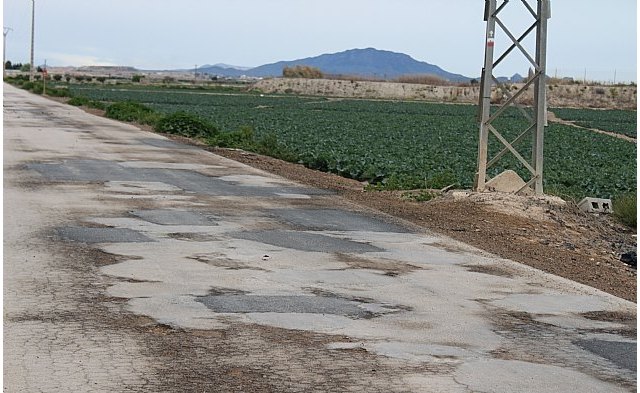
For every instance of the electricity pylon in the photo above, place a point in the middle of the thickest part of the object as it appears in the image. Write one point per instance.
(536, 117)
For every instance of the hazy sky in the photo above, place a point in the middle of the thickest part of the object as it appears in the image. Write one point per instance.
(584, 35)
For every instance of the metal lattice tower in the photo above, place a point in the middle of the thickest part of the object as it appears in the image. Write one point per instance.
(537, 117)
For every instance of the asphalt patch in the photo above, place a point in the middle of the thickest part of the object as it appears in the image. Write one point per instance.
(175, 217)
(621, 353)
(190, 181)
(101, 235)
(304, 241)
(284, 304)
(165, 144)
(333, 220)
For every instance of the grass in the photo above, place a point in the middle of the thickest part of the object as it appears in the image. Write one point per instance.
(625, 210)
(132, 111)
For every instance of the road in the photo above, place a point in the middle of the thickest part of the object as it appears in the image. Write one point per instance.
(134, 263)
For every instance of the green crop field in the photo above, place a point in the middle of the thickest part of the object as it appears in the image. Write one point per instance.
(400, 144)
(612, 120)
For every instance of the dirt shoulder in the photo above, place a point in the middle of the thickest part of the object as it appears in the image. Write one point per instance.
(542, 233)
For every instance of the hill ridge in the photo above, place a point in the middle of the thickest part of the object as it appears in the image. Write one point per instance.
(367, 62)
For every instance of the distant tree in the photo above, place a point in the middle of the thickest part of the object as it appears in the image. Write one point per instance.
(302, 71)
(423, 79)
(39, 69)
(25, 68)
(101, 79)
(137, 78)
(8, 65)
(79, 78)
(67, 77)
(57, 77)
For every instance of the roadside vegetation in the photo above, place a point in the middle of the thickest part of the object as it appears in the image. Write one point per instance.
(625, 210)
(38, 85)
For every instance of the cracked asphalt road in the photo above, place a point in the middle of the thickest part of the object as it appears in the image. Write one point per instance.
(134, 263)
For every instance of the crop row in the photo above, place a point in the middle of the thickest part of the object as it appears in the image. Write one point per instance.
(613, 120)
(401, 144)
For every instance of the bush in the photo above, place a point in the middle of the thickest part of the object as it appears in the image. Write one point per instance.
(244, 138)
(424, 79)
(34, 87)
(625, 210)
(97, 105)
(27, 85)
(301, 71)
(131, 111)
(186, 124)
(55, 92)
(268, 145)
(84, 101)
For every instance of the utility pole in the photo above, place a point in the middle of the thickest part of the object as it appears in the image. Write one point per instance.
(32, 69)
(536, 116)
(195, 73)
(44, 78)
(4, 51)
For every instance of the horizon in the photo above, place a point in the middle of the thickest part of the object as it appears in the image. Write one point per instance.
(167, 35)
(247, 68)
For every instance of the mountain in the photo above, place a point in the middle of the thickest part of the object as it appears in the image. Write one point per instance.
(223, 70)
(516, 78)
(367, 62)
(228, 66)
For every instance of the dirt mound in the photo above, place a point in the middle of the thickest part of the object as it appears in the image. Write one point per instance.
(577, 96)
